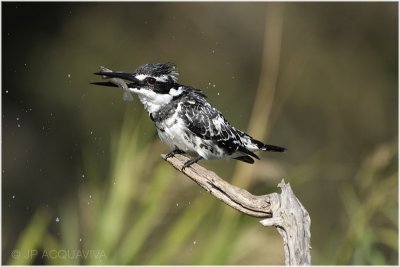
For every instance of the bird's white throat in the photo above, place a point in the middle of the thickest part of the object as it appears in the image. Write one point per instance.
(151, 101)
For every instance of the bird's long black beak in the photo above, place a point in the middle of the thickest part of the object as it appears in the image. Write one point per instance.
(105, 84)
(120, 75)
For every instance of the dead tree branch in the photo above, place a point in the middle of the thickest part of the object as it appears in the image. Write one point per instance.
(283, 211)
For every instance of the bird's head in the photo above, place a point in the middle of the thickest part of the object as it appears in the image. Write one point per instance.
(155, 84)
(161, 73)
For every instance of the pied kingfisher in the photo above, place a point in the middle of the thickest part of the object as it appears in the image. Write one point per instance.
(184, 119)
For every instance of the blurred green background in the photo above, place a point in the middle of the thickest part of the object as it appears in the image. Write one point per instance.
(81, 169)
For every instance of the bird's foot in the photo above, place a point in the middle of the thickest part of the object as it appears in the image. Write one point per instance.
(173, 153)
(190, 162)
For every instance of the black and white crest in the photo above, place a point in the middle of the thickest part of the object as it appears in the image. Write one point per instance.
(158, 70)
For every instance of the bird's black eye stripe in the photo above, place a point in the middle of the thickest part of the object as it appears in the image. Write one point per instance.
(150, 80)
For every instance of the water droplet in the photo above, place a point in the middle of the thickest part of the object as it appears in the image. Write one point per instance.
(57, 220)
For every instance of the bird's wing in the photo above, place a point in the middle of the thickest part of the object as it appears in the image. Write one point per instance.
(208, 123)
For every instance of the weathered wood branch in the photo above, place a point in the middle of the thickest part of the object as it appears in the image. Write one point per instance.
(293, 223)
(283, 211)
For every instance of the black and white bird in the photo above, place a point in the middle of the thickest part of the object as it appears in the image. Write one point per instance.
(184, 119)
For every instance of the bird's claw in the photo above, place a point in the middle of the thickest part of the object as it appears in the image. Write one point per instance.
(173, 153)
(190, 162)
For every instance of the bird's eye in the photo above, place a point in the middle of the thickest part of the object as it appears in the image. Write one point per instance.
(150, 80)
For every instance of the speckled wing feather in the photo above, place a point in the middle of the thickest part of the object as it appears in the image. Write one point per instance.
(209, 124)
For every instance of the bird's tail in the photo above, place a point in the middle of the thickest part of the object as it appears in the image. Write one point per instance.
(252, 145)
(273, 148)
(265, 147)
